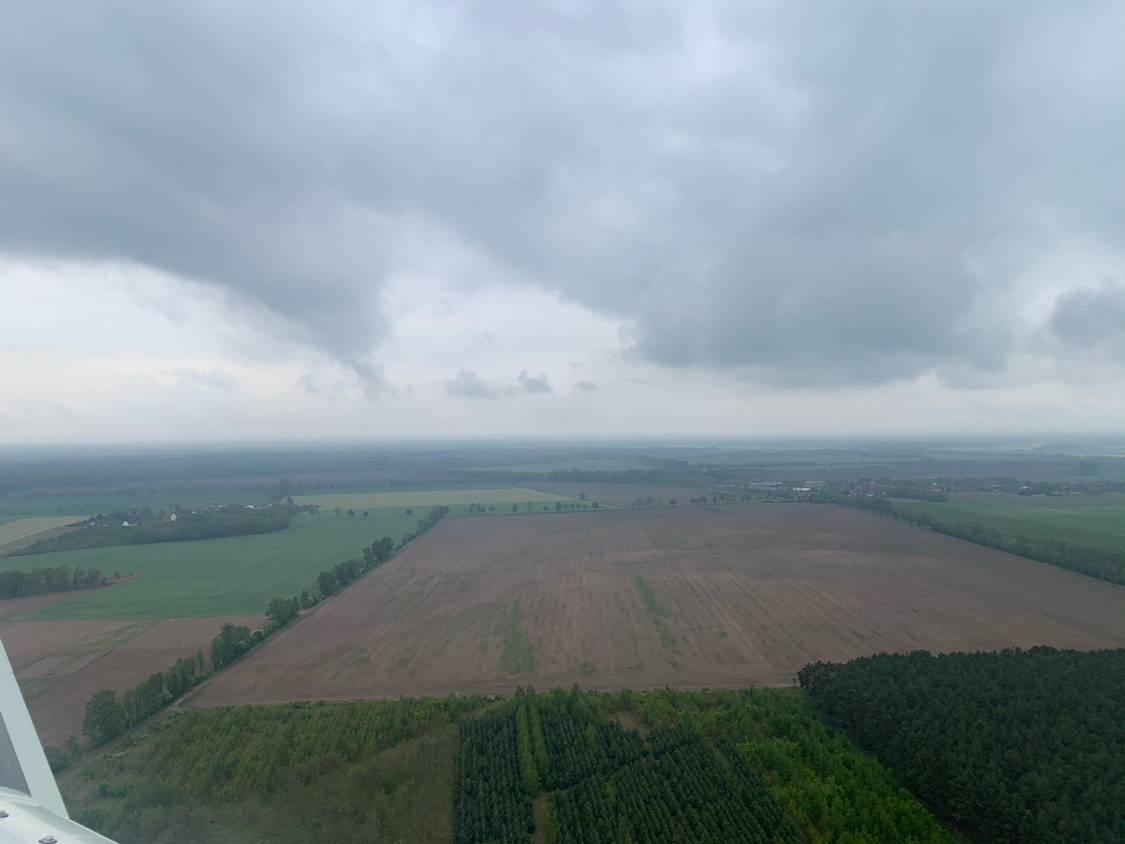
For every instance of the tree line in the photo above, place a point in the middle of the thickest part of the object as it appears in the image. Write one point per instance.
(41, 581)
(1007, 747)
(1102, 563)
(107, 717)
(147, 527)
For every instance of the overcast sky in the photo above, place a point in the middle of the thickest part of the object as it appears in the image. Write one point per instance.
(228, 220)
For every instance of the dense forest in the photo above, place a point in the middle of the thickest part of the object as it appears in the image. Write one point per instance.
(1016, 746)
(1103, 563)
(146, 527)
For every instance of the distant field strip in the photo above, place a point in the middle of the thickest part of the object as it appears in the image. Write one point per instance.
(450, 498)
(23, 528)
(1082, 520)
(237, 575)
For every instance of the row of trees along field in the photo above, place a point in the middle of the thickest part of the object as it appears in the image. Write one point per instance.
(1014, 746)
(749, 765)
(40, 581)
(343, 573)
(377, 553)
(145, 526)
(1102, 563)
(107, 718)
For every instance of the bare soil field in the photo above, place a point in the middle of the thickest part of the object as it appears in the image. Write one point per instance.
(688, 597)
(60, 664)
(619, 495)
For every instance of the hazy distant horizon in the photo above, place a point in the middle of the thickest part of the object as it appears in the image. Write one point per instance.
(936, 442)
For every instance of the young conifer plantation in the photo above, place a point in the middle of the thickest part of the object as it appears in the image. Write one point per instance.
(754, 765)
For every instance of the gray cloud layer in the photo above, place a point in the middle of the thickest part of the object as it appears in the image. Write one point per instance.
(821, 194)
(468, 385)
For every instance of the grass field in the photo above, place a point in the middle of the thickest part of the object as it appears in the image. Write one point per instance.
(498, 496)
(689, 597)
(1083, 520)
(22, 528)
(233, 576)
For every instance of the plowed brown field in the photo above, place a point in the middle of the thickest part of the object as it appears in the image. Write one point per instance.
(687, 597)
(60, 664)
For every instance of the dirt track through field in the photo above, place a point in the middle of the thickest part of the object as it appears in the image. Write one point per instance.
(746, 594)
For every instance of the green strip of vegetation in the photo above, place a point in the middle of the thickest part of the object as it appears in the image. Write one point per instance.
(658, 612)
(518, 655)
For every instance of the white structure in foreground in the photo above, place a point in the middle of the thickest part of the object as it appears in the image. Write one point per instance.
(31, 808)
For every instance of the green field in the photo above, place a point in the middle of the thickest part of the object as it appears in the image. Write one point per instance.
(237, 575)
(1079, 519)
(499, 497)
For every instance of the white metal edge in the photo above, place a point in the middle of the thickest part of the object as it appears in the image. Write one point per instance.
(25, 741)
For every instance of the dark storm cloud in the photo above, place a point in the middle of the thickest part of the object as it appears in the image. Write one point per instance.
(811, 193)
